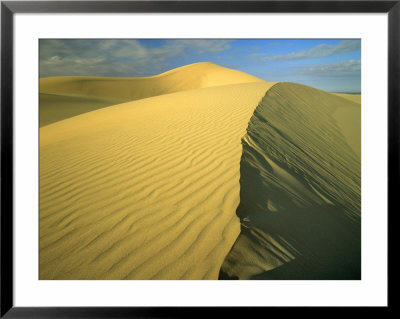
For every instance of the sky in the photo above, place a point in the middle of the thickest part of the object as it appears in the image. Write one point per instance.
(333, 65)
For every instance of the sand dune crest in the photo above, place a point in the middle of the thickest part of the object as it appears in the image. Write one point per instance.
(300, 195)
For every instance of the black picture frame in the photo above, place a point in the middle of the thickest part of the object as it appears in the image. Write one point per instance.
(9, 8)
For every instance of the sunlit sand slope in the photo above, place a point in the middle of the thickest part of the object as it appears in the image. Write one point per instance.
(146, 189)
(300, 204)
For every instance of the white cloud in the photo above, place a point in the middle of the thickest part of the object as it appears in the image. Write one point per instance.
(117, 57)
(338, 69)
(321, 50)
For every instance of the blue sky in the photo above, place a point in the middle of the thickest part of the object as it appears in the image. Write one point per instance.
(332, 65)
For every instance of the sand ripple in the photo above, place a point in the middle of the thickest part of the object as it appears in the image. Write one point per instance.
(146, 189)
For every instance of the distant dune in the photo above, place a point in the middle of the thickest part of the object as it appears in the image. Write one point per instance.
(300, 181)
(67, 96)
(352, 97)
(147, 189)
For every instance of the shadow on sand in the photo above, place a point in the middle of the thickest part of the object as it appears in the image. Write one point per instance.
(299, 193)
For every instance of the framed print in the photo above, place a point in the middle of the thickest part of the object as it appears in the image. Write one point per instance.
(160, 158)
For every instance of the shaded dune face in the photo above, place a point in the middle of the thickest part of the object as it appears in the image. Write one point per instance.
(67, 96)
(56, 107)
(300, 196)
(146, 189)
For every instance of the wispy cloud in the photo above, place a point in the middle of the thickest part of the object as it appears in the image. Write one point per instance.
(319, 51)
(350, 68)
(118, 57)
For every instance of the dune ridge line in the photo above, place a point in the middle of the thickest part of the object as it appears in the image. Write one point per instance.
(300, 189)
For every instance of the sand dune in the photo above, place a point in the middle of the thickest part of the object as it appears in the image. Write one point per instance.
(201, 172)
(300, 180)
(63, 97)
(146, 189)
